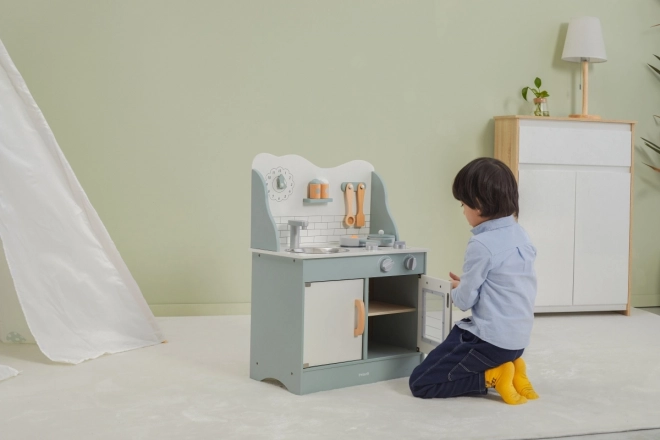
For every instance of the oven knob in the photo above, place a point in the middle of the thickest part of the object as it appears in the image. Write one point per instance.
(410, 263)
(386, 264)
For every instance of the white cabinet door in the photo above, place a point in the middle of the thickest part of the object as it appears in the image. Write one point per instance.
(332, 312)
(547, 213)
(434, 308)
(602, 234)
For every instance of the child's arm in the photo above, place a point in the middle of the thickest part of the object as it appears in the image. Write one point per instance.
(475, 269)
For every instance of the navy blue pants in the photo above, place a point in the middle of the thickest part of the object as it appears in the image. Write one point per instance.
(456, 367)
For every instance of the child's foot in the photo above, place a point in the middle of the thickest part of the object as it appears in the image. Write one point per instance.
(501, 378)
(520, 381)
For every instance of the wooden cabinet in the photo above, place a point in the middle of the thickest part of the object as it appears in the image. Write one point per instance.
(574, 182)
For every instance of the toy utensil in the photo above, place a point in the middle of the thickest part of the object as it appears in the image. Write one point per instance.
(349, 196)
(359, 216)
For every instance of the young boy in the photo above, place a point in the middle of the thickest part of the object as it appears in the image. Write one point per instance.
(498, 284)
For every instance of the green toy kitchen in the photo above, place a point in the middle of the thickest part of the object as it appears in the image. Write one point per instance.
(338, 298)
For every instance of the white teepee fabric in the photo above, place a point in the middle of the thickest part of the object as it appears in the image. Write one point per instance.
(75, 291)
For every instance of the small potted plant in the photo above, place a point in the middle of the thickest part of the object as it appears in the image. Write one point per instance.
(541, 104)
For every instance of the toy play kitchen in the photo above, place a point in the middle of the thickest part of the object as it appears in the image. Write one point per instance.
(337, 298)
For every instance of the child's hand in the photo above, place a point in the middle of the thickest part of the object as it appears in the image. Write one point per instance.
(455, 280)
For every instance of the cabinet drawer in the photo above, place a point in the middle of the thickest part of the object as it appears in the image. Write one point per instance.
(575, 143)
(366, 266)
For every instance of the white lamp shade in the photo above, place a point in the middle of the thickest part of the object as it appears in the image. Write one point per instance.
(584, 41)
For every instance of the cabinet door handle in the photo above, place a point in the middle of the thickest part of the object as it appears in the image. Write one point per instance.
(359, 305)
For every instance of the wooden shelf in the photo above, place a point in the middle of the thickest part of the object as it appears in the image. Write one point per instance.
(316, 201)
(377, 308)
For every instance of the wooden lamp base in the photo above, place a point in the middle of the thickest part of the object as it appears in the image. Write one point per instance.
(586, 117)
(585, 96)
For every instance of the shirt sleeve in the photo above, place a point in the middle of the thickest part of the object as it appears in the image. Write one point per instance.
(476, 267)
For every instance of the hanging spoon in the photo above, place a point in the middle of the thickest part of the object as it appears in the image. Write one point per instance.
(349, 196)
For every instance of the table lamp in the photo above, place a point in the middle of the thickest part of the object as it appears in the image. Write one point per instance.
(584, 44)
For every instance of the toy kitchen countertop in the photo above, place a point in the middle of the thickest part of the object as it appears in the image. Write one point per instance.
(328, 316)
(333, 250)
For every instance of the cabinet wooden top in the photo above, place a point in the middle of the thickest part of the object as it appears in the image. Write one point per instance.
(548, 118)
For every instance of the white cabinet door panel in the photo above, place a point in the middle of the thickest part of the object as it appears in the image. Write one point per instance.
(575, 143)
(547, 213)
(330, 319)
(602, 234)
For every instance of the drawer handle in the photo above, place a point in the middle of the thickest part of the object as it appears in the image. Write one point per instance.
(359, 305)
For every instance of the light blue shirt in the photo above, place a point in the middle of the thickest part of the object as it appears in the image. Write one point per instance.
(498, 284)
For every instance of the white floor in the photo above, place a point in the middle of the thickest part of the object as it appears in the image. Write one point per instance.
(651, 434)
(196, 387)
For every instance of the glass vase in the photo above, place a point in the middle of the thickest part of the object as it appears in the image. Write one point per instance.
(541, 107)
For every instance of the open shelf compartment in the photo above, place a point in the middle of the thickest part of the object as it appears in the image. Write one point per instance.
(392, 317)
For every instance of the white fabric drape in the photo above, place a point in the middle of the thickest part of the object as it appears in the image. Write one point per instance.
(78, 297)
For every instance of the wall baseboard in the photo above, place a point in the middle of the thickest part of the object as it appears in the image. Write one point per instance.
(645, 300)
(200, 309)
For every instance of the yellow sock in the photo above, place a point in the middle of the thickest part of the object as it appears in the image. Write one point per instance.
(501, 378)
(520, 381)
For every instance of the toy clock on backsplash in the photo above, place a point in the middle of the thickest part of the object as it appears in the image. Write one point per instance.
(337, 298)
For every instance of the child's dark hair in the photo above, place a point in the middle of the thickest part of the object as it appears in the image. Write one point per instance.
(487, 185)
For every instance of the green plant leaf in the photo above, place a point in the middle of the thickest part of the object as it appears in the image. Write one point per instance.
(544, 94)
(524, 92)
(649, 142)
(537, 82)
(655, 150)
(652, 167)
(655, 69)
(651, 145)
(656, 56)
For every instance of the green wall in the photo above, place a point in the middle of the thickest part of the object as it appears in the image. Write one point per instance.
(161, 105)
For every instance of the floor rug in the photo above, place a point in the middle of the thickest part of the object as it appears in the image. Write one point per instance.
(595, 373)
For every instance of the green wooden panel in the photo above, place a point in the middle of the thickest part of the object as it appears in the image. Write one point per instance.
(364, 266)
(276, 338)
(263, 230)
(365, 372)
(381, 218)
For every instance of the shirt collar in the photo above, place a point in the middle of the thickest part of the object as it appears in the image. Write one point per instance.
(497, 223)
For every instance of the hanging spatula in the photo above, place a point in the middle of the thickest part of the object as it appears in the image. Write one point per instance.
(359, 216)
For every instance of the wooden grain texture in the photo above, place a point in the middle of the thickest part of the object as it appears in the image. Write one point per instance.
(551, 118)
(632, 191)
(506, 142)
(377, 308)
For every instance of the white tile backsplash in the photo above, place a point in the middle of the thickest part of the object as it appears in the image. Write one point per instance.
(321, 229)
